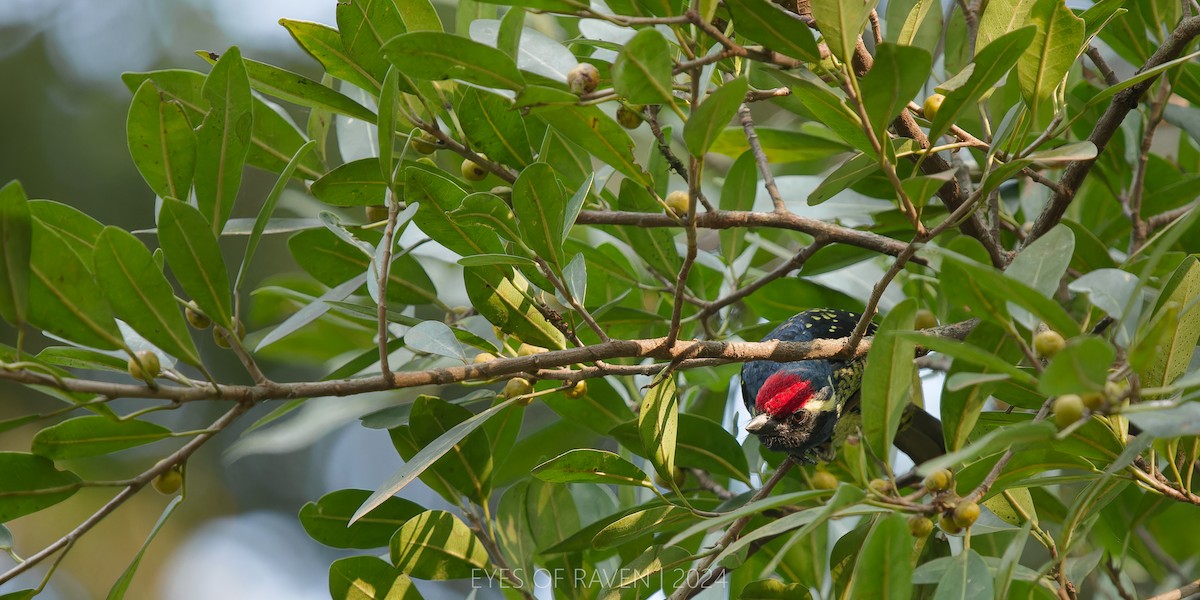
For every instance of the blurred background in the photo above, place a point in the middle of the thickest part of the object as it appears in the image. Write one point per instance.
(62, 134)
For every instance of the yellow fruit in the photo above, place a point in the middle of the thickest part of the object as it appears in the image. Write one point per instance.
(939, 480)
(583, 78)
(426, 161)
(920, 526)
(678, 202)
(169, 481)
(946, 522)
(1094, 400)
(1068, 408)
(932, 104)
(145, 366)
(824, 480)
(472, 171)
(880, 486)
(628, 117)
(579, 391)
(965, 514)
(529, 350)
(925, 319)
(517, 386)
(219, 335)
(197, 319)
(484, 357)
(1048, 343)
(425, 144)
(377, 213)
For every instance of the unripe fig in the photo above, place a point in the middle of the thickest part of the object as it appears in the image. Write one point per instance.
(946, 522)
(628, 117)
(678, 202)
(517, 386)
(939, 480)
(145, 366)
(583, 78)
(880, 486)
(579, 390)
(1048, 343)
(484, 357)
(932, 105)
(529, 350)
(679, 475)
(925, 319)
(196, 318)
(920, 526)
(965, 514)
(219, 335)
(824, 480)
(472, 171)
(1068, 408)
(169, 481)
(1094, 400)
(425, 144)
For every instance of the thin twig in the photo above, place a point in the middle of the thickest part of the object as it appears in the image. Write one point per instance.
(760, 157)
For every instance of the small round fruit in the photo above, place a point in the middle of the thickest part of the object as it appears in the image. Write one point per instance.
(1068, 408)
(920, 526)
(472, 171)
(946, 522)
(427, 162)
(220, 338)
(425, 144)
(880, 486)
(197, 319)
(824, 480)
(932, 104)
(529, 350)
(484, 357)
(965, 514)
(678, 474)
(939, 480)
(925, 319)
(376, 213)
(169, 481)
(628, 117)
(1094, 400)
(1048, 343)
(678, 202)
(517, 386)
(145, 366)
(579, 390)
(583, 78)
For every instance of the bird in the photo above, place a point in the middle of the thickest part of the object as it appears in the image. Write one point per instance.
(796, 406)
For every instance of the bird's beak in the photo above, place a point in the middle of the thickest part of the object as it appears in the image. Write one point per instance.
(761, 425)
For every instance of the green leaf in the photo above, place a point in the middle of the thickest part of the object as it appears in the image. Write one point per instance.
(776, 29)
(16, 239)
(494, 128)
(804, 522)
(896, 77)
(442, 442)
(63, 297)
(642, 71)
(842, 23)
(597, 133)
(737, 193)
(140, 295)
(437, 545)
(369, 578)
(540, 205)
(77, 230)
(438, 198)
(968, 577)
(223, 139)
(710, 118)
(989, 66)
(502, 299)
(1181, 290)
(121, 586)
(195, 259)
(268, 208)
(921, 27)
(37, 483)
(597, 466)
(997, 440)
(437, 55)
(1082, 366)
(1059, 41)
(356, 183)
(1001, 17)
(887, 379)
(831, 110)
(658, 423)
(435, 337)
(364, 26)
(95, 436)
(328, 520)
(849, 173)
(1042, 265)
(883, 569)
(640, 523)
(297, 89)
(333, 261)
(779, 145)
(565, 6)
(161, 142)
(324, 43)
(921, 189)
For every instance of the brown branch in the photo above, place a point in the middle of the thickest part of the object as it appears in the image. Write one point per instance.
(782, 270)
(1107, 126)
(760, 157)
(1183, 592)
(1106, 71)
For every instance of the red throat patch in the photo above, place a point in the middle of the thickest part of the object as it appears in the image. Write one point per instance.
(783, 394)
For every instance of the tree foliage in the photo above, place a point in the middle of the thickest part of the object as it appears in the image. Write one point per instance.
(567, 224)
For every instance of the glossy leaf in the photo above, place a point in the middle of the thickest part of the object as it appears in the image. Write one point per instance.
(95, 436)
(369, 578)
(1001, 17)
(989, 66)
(37, 482)
(328, 520)
(333, 261)
(896, 77)
(63, 297)
(356, 183)
(268, 208)
(710, 118)
(364, 26)
(968, 577)
(658, 423)
(437, 545)
(1059, 41)
(639, 523)
(435, 337)
(503, 300)
(597, 466)
(195, 259)
(778, 30)
(16, 238)
(540, 205)
(842, 23)
(1080, 367)
(642, 71)
(297, 89)
(77, 230)
(887, 379)
(1182, 290)
(437, 55)
(324, 43)
(494, 128)
(140, 295)
(223, 139)
(883, 569)
(161, 142)
(597, 133)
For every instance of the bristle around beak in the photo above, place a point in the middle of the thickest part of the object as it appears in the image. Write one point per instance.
(763, 424)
